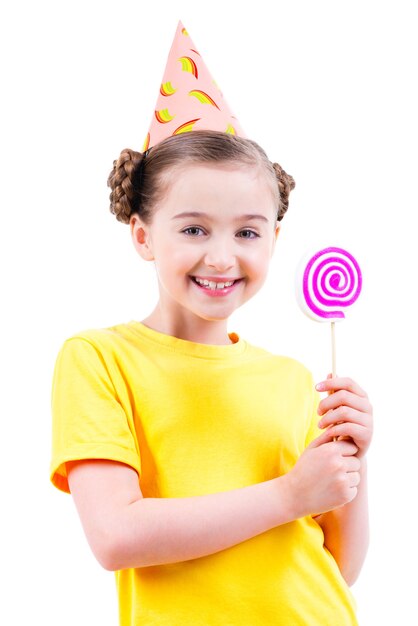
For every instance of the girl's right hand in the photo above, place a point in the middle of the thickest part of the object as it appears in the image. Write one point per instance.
(325, 477)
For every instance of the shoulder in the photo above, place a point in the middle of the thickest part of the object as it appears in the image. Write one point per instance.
(95, 356)
(100, 338)
(95, 347)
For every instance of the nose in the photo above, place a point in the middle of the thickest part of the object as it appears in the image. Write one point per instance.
(220, 255)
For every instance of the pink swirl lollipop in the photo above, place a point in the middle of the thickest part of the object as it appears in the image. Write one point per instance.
(327, 283)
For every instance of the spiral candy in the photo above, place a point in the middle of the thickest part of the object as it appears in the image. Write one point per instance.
(327, 283)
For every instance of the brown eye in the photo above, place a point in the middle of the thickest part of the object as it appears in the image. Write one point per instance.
(191, 230)
(250, 234)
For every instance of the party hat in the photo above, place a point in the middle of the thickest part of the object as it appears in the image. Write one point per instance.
(189, 98)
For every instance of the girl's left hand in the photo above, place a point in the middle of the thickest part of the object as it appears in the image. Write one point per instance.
(346, 412)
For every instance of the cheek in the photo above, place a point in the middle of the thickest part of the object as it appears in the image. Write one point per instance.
(258, 262)
(183, 257)
(173, 258)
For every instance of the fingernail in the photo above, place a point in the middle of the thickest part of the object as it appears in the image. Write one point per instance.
(320, 387)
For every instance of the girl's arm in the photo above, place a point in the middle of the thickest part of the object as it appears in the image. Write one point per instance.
(346, 531)
(347, 413)
(125, 529)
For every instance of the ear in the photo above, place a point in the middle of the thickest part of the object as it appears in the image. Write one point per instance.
(141, 237)
(276, 234)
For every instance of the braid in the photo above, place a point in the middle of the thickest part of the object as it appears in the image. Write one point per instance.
(285, 183)
(138, 180)
(121, 180)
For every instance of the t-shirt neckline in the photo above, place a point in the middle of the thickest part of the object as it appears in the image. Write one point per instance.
(191, 348)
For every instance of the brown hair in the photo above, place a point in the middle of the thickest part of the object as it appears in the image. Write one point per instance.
(139, 180)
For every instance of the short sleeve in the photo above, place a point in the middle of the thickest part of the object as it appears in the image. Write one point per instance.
(313, 429)
(88, 420)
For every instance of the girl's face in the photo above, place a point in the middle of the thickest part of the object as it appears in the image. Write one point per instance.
(216, 223)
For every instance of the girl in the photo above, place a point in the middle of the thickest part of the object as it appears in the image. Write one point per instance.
(196, 461)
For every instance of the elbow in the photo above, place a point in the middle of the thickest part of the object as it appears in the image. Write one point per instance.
(105, 550)
(351, 570)
(107, 558)
(350, 577)
(123, 545)
(118, 554)
(110, 557)
(112, 550)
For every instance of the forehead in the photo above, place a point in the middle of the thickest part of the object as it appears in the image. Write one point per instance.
(220, 186)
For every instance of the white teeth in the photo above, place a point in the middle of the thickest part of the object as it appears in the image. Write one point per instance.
(213, 285)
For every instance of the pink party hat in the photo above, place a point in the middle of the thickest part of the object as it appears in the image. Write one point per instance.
(189, 98)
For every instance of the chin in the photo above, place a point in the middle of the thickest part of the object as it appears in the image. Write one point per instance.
(215, 318)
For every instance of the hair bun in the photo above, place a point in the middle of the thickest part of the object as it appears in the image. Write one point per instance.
(286, 183)
(120, 180)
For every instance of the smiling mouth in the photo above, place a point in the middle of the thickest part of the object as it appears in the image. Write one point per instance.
(212, 285)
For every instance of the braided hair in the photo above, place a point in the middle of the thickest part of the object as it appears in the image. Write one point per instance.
(139, 180)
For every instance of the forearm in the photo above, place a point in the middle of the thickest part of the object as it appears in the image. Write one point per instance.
(346, 531)
(153, 531)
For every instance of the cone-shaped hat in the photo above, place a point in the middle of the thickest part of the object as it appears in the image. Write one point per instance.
(189, 98)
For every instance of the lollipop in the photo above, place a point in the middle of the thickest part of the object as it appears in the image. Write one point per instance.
(326, 284)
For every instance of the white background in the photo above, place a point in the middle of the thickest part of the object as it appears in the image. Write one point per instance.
(328, 88)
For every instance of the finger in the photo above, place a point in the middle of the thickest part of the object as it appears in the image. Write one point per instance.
(354, 492)
(352, 463)
(323, 438)
(334, 384)
(346, 448)
(346, 398)
(344, 414)
(357, 433)
(354, 479)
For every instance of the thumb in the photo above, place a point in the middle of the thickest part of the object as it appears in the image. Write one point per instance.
(324, 437)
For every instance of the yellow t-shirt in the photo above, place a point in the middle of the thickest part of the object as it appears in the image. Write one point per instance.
(194, 419)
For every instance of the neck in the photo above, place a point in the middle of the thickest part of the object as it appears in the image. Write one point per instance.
(189, 327)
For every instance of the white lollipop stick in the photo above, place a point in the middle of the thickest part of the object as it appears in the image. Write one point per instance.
(334, 350)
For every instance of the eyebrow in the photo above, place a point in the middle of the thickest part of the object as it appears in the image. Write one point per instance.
(249, 216)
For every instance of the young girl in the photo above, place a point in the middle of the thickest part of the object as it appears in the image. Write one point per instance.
(196, 461)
